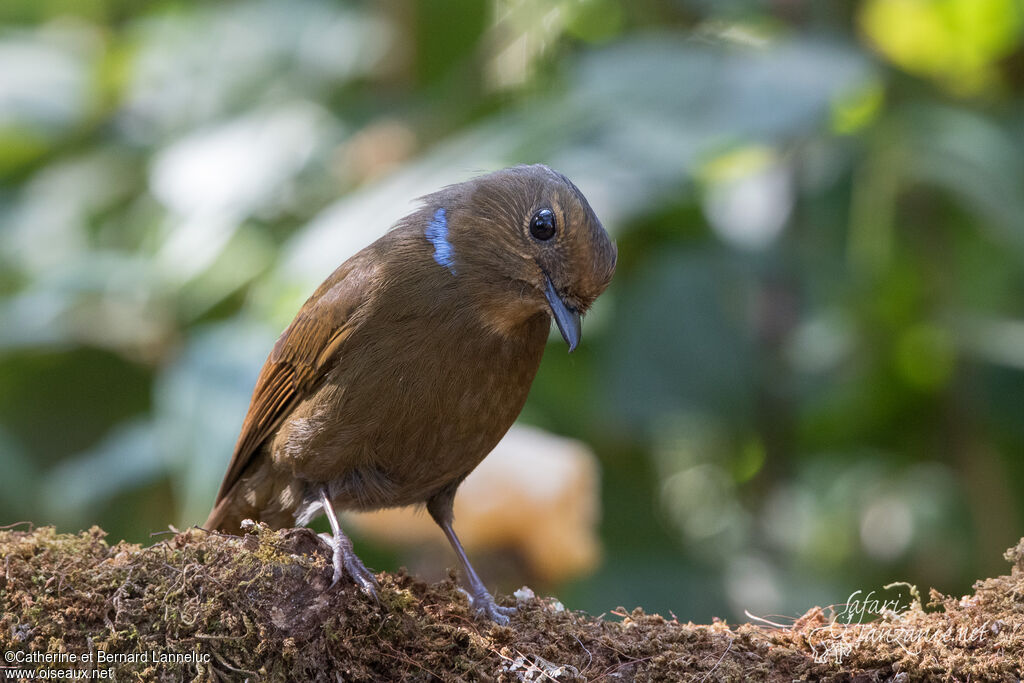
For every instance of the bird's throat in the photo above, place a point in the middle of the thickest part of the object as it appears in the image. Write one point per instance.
(511, 318)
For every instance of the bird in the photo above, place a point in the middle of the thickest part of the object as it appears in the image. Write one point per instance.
(413, 358)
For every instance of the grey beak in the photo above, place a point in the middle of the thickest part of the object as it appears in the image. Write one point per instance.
(567, 319)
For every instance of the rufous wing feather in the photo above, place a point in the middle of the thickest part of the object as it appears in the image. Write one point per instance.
(303, 354)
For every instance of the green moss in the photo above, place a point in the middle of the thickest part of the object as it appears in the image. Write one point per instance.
(262, 607)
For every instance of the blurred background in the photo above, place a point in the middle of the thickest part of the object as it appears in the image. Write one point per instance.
(807, 377)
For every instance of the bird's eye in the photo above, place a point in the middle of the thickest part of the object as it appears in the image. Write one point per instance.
(542, 226)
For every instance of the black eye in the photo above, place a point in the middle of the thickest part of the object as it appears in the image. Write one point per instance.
(542, 226)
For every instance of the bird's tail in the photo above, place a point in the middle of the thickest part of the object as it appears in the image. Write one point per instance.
(227, 516)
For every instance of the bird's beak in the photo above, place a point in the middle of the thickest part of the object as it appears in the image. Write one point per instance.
(567, 319)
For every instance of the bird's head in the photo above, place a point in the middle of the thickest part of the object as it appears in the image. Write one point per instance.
(522, 240)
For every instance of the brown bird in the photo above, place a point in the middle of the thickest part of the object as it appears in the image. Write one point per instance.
(409, 363)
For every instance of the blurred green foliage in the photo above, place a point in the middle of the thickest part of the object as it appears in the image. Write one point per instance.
(806, 379)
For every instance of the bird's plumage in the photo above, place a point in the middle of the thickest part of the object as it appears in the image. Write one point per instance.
(409, 363)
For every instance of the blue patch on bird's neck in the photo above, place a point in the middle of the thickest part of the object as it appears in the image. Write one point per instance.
(437, 233)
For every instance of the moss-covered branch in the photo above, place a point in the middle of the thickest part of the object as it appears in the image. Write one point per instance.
(209, 607)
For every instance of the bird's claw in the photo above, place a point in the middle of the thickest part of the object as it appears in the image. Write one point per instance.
(347, 562)
(363, 577)
(485, 606)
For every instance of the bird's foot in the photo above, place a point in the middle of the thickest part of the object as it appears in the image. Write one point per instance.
(484, 604)
(346, 561)
(358, 571)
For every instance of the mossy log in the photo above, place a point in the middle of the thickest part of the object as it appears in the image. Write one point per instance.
(208, 607)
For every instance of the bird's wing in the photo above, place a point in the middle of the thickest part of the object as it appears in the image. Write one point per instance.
(301, 358)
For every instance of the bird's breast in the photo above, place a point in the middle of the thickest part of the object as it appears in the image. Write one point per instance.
(414, 402)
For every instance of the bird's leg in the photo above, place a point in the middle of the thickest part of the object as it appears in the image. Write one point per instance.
(345, 558)
(440, 508)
